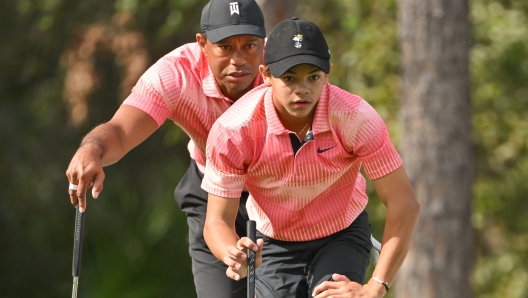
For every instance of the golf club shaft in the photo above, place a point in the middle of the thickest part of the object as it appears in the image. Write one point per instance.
(375, 253)
(77, 249)
(75, 285)
(251, 227)
(375, 243)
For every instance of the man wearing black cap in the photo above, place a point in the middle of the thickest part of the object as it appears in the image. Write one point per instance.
(192, 86)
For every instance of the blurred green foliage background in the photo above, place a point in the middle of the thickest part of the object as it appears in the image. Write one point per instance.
(65, 66)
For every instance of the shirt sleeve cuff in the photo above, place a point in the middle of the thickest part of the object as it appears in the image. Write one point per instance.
(156, 109)
(382, 162)
(222, 184)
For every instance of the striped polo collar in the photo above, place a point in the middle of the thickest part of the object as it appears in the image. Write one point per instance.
(319, 124)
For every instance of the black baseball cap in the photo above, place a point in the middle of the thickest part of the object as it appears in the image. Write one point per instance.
(296, 41)
(225, 18)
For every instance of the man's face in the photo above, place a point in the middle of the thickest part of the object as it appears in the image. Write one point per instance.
(234, 62)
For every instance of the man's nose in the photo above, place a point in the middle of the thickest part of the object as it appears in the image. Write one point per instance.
(238, 57)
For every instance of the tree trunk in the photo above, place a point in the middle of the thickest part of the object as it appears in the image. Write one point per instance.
(436, 115)
(276, 11)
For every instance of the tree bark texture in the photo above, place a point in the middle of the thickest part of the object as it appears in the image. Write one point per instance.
(276, 11)
(436, 115)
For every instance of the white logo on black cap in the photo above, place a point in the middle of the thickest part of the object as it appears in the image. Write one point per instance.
(298, 38)
(233, 6)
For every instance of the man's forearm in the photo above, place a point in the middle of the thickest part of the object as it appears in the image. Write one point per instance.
(105, 141)
(110, 141)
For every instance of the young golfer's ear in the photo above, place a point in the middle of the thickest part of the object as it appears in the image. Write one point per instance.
(327, 74)
(266, 75)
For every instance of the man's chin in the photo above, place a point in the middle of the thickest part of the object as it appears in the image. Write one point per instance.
(237, 87)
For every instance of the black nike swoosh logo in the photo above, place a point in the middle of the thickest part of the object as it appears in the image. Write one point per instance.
(319, 150)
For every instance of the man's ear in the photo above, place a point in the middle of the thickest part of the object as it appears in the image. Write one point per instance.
(201, 41)
(266, 75)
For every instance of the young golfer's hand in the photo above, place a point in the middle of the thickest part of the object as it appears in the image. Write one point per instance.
(236, 260)
(344, 288)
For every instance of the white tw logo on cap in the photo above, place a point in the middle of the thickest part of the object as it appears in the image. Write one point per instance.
(233, 6)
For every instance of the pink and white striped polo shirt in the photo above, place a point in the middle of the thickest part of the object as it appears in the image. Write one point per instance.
(181, 87)
(308, 195)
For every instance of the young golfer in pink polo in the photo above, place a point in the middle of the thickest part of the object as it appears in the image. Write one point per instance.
(297, 144)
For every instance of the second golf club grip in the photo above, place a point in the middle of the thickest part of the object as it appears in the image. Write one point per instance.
(251, 227)
(77, 242)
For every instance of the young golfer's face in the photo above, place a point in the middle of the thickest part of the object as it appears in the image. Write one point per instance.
(298, 90)
(234, 62)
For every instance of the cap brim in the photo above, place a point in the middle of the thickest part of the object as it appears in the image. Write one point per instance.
(280, 67)
(220, 33)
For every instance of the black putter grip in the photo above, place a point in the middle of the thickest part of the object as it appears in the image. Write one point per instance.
(251, 227)
(77, 242)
